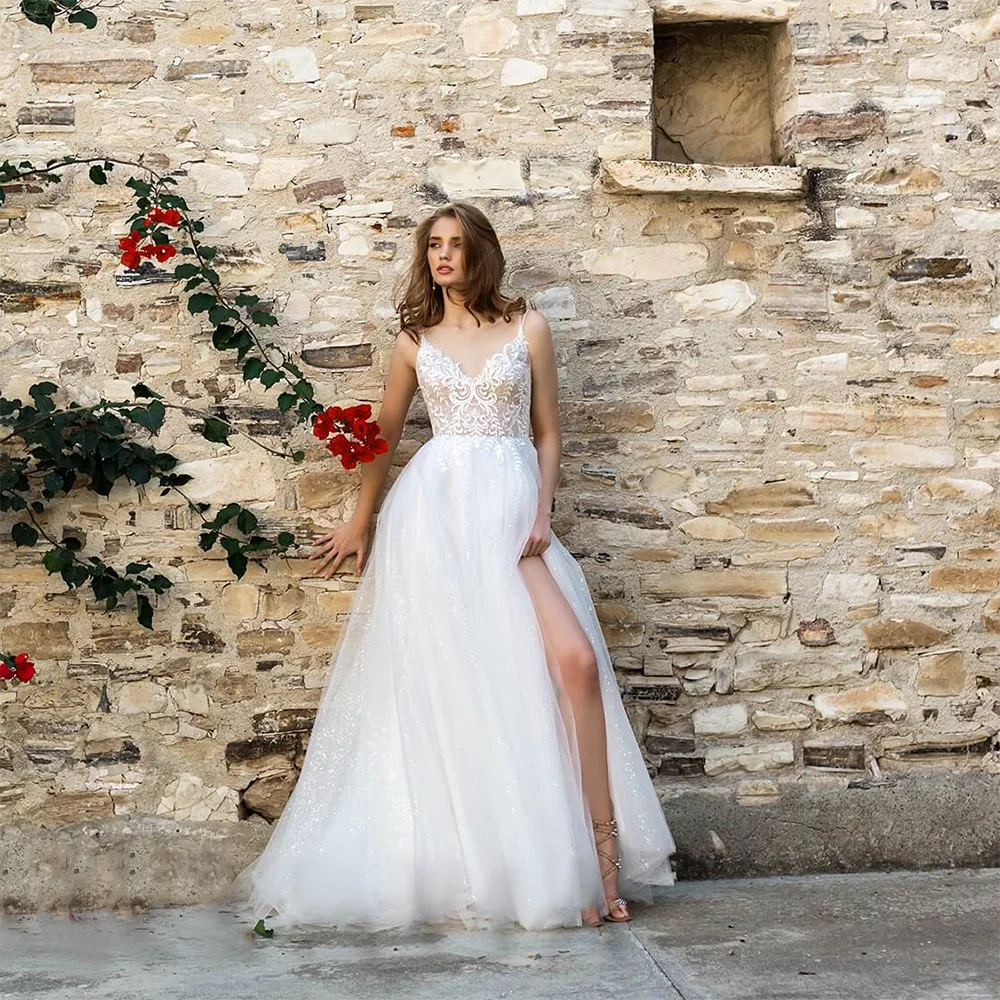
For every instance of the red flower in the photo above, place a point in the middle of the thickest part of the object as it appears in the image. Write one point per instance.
(23, 667)
(17, 666)
(164, 251)
(168, 216)
(323, 425)
(351, 420)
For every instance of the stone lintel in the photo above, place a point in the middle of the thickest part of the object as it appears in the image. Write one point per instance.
(762, 11)
(635, 176)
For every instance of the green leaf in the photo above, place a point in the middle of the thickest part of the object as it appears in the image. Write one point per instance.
(227, 513)
(219, 313)
(201, 302)
(215, 430)
(185, 270)
(142, 391)
(136, 567)
(207, 540)
(262, 930)
(138, 473)
(286, 401)
(285, 538)
(237, 563)
(74, 575)
(85, 17)
(253, 368)
(145, 610)
(298, 456)
(55, 559)
(246, 521)
(96, 172)
(271, 377)
(150, 416)
(231, 544)
(222, 337)
(23, 534)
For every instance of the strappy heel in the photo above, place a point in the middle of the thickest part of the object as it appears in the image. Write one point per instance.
(603, 831)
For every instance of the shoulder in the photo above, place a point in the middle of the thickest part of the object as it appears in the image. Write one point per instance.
(536, 326)
(537, 332)
(407, 346)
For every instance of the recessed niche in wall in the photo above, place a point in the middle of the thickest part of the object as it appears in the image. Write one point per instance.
(722, 98)
(714, 91)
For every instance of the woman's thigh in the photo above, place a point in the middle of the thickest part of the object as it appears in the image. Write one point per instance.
(565, 640)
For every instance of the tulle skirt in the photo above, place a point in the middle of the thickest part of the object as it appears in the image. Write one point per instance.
(441, 779)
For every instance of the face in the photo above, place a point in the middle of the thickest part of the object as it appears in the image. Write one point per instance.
(444, 252)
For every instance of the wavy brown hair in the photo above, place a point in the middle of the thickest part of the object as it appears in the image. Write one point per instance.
(421, 302)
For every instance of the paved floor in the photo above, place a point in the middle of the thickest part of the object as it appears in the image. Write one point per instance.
(899, 936)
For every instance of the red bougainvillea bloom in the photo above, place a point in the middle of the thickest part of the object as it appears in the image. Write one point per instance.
(23, 667)
(18, 666)
(130, 245)
(354, 420)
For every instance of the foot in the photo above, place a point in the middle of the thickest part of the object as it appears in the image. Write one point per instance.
(606, 839)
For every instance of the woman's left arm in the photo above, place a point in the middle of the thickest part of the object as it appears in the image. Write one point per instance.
(544, 423)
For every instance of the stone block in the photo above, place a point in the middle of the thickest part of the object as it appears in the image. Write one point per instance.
(720, 720)
(721, 583)
(753, 757)
(40, 640)
(941, 672)
(868, 704)
(787, 664)
(902, 633)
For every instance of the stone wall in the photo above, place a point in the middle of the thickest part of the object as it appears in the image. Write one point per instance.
(779, 400)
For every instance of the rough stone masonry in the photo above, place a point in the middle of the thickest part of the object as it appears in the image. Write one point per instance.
(765, 236)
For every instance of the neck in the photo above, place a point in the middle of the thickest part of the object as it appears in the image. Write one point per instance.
(455, 313)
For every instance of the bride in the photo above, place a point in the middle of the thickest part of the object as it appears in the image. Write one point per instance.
(470, 758)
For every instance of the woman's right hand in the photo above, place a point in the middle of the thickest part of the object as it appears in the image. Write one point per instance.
(337, 545)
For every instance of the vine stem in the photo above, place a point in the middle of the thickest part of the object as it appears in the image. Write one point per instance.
(108, 404)
(186, 225)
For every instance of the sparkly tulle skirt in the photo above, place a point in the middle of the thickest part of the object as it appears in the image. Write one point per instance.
(442, 780)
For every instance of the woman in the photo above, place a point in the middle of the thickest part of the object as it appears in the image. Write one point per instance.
(470, 757)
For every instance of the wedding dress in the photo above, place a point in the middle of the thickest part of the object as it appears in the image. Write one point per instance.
(442, 780)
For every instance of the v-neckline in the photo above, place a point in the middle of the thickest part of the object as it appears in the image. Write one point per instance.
(482, 371)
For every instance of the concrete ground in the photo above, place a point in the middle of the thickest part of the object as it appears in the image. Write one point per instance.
(896, 936)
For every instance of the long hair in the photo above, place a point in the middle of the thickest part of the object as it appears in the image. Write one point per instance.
(421, 303)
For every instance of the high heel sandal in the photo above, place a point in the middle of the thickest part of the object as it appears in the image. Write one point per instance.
(607, 830)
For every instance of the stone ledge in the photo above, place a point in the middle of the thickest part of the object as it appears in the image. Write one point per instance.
(801, 827)
(661, 177)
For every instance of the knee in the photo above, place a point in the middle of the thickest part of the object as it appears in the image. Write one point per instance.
(579, 670)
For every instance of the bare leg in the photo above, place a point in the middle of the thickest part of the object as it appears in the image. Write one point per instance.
(569, 649)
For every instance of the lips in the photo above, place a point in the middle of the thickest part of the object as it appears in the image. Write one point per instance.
(444, 270)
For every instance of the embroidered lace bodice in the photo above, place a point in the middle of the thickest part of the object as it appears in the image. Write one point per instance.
(495, 402)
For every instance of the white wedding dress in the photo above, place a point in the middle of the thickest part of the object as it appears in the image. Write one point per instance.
(441, 780)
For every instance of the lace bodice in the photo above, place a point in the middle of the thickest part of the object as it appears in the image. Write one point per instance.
(495, 402)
